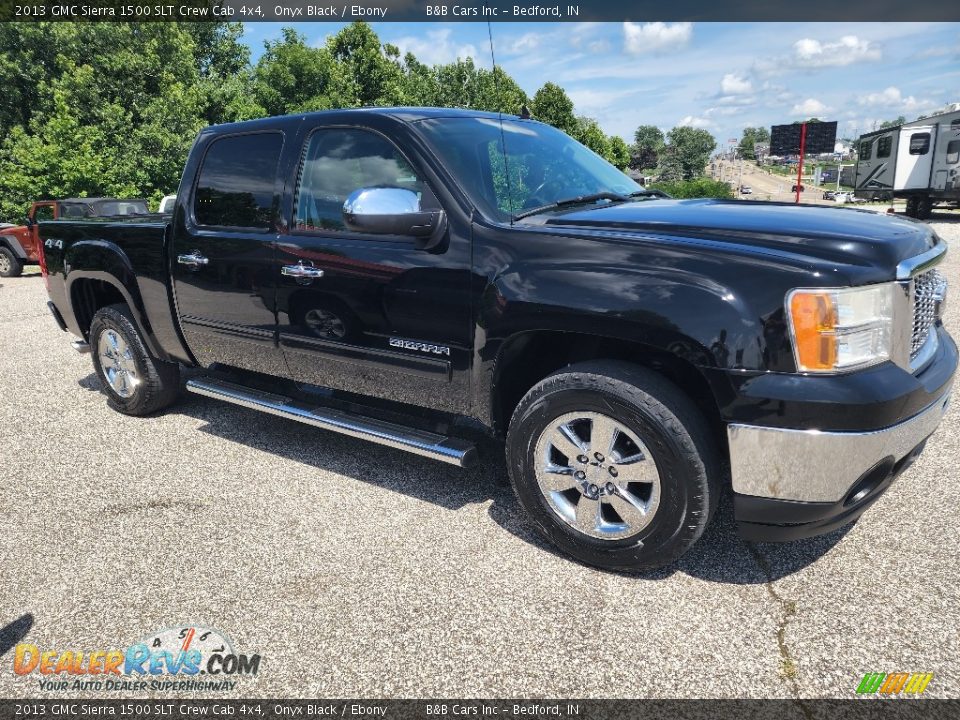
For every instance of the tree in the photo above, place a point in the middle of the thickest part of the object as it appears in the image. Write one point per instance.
(113, 108)
(369, 75)
(687, 153)
(647, 146)
(892, 123)
(552, 105)
(294, 77)
(751, 137)
(588, 132)
(618, 152)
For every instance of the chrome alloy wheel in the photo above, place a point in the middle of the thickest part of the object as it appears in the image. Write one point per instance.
(4, 263)
(325, 324)
(597, 475)
(117, 363)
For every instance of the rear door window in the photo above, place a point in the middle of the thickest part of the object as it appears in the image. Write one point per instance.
(235, 186)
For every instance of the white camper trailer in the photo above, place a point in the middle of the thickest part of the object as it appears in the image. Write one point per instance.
(919, 161)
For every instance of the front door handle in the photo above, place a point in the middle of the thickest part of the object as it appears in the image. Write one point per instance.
(301, 271)
(193, 261)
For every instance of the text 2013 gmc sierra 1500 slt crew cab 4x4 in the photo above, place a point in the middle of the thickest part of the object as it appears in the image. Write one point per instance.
(397, 274)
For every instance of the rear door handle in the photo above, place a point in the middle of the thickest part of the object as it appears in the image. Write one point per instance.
(301, 271)
(194, 260)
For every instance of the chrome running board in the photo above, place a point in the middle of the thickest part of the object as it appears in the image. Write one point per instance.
(438, 447)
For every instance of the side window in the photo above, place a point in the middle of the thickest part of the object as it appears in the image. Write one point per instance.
(235, 185)
(865, 149)
(884, 145)
(338, 161)
(920, 144)
(43, 212)
(953, 152)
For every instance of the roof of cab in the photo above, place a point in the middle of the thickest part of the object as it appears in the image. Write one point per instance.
(402, 114)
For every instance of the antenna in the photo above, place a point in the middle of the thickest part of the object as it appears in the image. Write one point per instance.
(503, 140)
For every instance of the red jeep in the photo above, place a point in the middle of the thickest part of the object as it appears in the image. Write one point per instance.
(20, 244)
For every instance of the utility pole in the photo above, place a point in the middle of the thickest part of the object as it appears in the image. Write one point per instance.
(803, 147)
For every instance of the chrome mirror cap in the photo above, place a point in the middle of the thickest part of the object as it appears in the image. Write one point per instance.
(382, 201)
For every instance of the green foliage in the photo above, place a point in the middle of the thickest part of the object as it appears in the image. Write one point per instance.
(113, 108)
(686, 153)
(701, 187)
(110, 108)
(748, 143)
(892, 123)
(618, 152)
(647, 145)
(552, 105)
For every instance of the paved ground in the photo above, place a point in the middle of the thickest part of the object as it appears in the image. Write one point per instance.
(360, 571)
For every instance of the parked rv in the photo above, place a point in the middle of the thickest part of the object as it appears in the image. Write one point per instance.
(918, 161)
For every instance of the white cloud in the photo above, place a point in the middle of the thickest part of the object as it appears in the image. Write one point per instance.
(810, 106)
(849, 49)
(734, 84)
(436, 47)
(695, 122)
(639, 38)
(891, 97)
(523, 44)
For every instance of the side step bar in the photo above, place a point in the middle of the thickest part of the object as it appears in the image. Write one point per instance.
(439, 447)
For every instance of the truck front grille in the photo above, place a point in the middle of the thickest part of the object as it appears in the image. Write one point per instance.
(928, 292)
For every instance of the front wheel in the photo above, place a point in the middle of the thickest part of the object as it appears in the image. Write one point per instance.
(134, 382)
(614, 465)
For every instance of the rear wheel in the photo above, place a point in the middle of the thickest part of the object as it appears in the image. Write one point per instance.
(924, 208)
(614, 465)
(10, 265)
(911, 210)
(134, 382)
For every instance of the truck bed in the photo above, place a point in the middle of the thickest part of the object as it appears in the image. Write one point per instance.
(129, 254)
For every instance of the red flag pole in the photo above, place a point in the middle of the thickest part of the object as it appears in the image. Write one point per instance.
(803, 147)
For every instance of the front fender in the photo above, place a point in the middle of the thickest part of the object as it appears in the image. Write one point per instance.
(707, 321)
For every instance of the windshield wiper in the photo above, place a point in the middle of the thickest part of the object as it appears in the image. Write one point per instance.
(579, 200)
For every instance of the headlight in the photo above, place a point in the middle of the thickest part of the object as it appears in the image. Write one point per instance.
(838, 329)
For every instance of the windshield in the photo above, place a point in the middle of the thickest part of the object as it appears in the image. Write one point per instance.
(543, 165)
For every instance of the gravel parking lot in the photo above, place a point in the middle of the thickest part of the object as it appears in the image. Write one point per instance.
(359, 571)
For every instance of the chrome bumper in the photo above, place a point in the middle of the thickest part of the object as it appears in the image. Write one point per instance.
(817, 466)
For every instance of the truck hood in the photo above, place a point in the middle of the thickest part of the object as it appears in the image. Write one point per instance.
(844, 236)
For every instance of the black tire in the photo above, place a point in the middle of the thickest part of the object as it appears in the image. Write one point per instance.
(10, 265)
(924, 208)
(159, 382)
(911, 210)
(663, 418)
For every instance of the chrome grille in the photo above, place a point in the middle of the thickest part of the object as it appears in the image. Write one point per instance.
(928, 292)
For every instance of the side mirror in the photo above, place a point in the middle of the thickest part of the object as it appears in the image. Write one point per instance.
(29, 221)
(393, 211)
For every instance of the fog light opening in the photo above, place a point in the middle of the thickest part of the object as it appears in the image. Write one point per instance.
(869, 481)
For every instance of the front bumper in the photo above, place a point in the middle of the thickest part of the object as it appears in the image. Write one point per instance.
(791, 483)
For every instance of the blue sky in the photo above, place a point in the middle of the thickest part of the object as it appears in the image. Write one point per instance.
(718, 76)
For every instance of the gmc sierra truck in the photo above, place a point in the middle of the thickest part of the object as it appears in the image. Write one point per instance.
(408, 276)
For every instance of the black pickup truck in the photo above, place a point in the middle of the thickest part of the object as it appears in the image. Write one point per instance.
(409, 276)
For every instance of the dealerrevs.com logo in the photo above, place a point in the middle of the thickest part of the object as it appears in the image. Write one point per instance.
(187, 658)
(901, 684)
